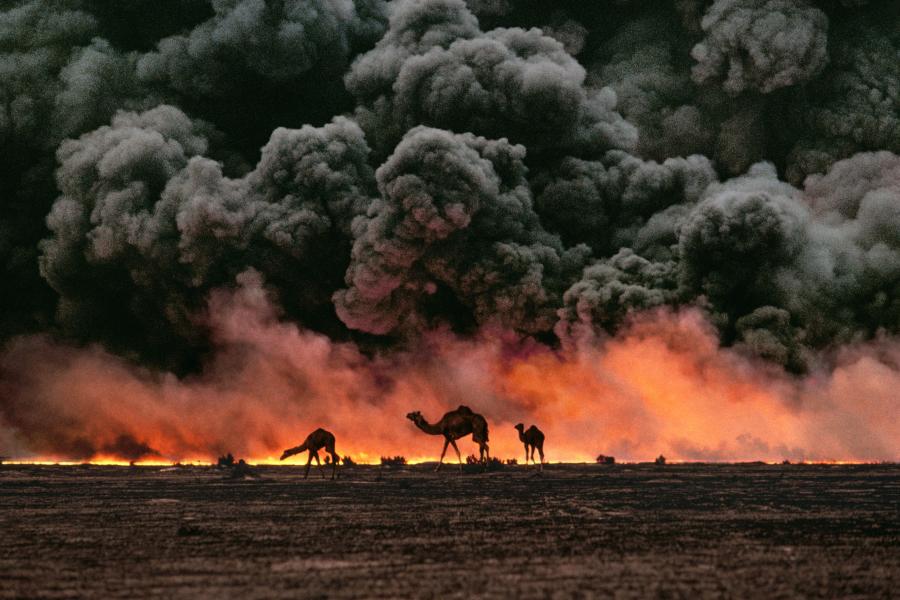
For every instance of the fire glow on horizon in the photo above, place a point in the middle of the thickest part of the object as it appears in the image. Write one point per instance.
(662, 386)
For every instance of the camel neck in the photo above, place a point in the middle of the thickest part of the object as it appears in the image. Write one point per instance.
(295, 450)
(428, 427)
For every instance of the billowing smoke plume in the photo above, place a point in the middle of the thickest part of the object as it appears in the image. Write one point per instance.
(275, 42)
(455, 213)
(405, 177)
(146, 226)
(855, 105)
(435, 67)
(762, 45)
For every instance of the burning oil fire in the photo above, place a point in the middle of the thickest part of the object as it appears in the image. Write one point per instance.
(663, 385)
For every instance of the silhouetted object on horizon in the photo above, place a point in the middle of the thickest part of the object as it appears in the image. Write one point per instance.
(606, 460)
(314, 442)
(454, 425)
(393, 461)
(660, 460)
(491, 464)
(785, 462)
(226, 461)
(533, 438)
(347, 461)
(241, 470)
(511, 461)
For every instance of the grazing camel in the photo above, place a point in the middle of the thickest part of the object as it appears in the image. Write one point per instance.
(533, 438)
(454, 425)
(314, 442)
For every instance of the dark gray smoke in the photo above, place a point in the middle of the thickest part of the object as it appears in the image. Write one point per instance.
(146, 225)
(760, 45)
(435, 67)
(394, 167)
(781, 270)
(274, 41)
(455, 213)
(855, 105)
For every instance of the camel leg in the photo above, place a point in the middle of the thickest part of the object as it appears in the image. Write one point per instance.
(308, 463)
(319, 464)
(329, 448)
(443, 452)
(526, 455)
(458, 455)
(541, 452)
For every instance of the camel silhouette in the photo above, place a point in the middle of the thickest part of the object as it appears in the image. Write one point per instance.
(314, 442)
(533, 438)
(454, 425)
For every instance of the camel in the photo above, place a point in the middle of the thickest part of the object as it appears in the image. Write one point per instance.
(314, 442)
(453, 426)
(533, 438)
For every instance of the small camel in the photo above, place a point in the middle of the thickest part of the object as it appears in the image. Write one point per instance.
(314, 442)
(453, 426)
(533, 439)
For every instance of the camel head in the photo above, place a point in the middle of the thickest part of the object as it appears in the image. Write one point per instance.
(520, 427)
(415, 416)
(285, 454)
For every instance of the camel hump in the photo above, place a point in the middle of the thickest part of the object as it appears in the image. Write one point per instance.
(464, 410)
(319, 437)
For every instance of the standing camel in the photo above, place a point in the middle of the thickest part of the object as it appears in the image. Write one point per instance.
(314, 442)
(454, 425)
(533, 438)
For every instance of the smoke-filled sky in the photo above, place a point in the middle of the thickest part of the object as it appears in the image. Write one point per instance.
(668, 226)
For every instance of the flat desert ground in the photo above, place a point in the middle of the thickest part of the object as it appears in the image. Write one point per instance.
(681, 531)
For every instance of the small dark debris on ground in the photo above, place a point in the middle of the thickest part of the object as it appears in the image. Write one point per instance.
(242, 470)
(186, 529)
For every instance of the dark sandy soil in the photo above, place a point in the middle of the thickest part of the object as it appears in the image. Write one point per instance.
(577, 531)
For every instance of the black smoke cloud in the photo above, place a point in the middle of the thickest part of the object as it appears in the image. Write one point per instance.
(394, 167)
(456, 213)
(761, 45)
(435, 67)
